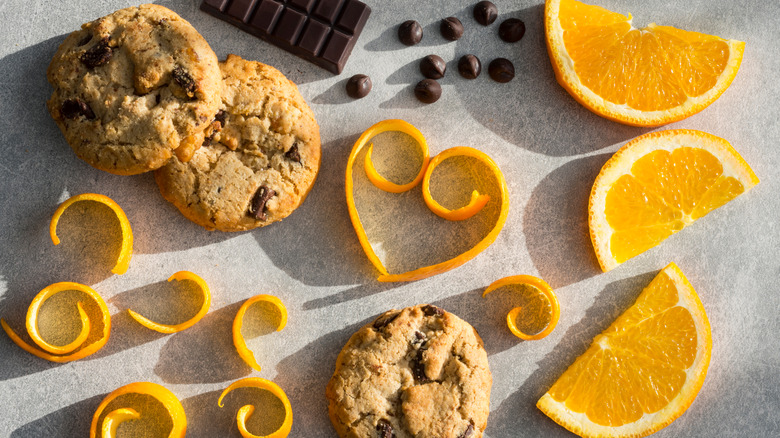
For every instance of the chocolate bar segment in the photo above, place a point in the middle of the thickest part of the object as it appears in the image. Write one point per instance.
(323, 32)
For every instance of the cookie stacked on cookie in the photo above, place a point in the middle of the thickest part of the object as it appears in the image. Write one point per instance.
(234, 144)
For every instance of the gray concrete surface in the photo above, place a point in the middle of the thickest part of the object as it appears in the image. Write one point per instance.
(549, 148)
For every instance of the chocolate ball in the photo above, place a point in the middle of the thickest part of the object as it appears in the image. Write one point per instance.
(469, 66)
(359, 86)
(433, 67)
(501, 70)
(511, 30)
(485, 13)
(427, 91)
(451, 28)
(410, 32)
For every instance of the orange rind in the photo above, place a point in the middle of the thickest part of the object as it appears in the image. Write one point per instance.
(108, 426)
(126, 249)
(545, 292)
(238, 339)
(246, 411)
(174, 328)
(74, 350)
(474, 206)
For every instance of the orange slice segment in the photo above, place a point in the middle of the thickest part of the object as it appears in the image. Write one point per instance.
(656, 185)
(643, 371)
(642, 77)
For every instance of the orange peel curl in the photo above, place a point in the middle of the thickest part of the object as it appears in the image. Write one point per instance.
(126, 250)
(238, 339)
(174, 328)
(112, 420)
(70, 351)
(246, 411)
(474, 206)
(511, 317)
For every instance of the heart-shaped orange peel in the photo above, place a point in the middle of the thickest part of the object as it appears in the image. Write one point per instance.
(126, 250)
(71, 351)
(107, 428)
(474, 206)
(246, 411)
(546, 293)
(238, 339)
(174, 328)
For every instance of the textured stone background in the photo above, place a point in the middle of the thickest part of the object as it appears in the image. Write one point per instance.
(549, 148)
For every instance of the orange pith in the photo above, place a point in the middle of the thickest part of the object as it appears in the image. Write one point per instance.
(642, 77)
(642, 372)
(656, 185)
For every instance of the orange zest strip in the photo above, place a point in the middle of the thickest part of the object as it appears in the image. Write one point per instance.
(114, 419)
(378, 180)
(477, 201)
(427, 271)
(126, 251)
(238, 339)
(247, 410)
(160, 393)
(69, 352)
(173, 328)
(511, 317)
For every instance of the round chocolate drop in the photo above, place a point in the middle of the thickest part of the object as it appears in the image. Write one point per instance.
(451, 28)
(410, 32)
(511, 30)
(501, 70)
(485, 13)
(359, 86)
(427, 91)
(469, 66)
(433, 67)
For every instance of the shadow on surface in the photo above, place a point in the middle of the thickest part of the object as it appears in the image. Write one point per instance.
(304, 375)
(204, 353)
(316, 244)
(68, 422)
(532, 111)
(487, 315)
(518, 412)
(555, 223)
(355, 293)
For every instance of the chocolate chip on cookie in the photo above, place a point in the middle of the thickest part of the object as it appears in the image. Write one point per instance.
(185, 81)
(97, 55)
(257, 207)
(293, 154)
(74, 108)
(385, 429)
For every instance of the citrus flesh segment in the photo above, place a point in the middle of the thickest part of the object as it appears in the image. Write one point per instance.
(656, 185)
(641, 77)
(643, 371)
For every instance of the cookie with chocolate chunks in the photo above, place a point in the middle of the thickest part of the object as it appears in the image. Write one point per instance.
(260, 165)
(133, 88)
(419, 372)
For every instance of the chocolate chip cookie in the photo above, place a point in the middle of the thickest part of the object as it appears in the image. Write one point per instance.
(133, 87)
(262, 163)
(419, 372)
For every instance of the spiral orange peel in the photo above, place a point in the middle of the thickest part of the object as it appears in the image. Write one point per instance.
(174, 328)
(511, 317)
(126, 250)
(475, 205)
(114, 418)
(246, 411)
(71, 351)
(238, 339)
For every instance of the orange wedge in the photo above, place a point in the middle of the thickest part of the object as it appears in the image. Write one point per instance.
(642, 372)
(656, 185)
(641, 77)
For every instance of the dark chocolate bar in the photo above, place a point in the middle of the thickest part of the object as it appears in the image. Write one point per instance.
(320, 31)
